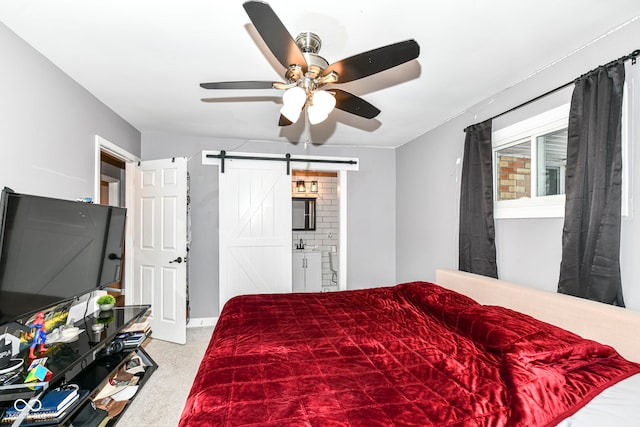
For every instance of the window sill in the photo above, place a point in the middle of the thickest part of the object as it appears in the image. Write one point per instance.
(547, 207)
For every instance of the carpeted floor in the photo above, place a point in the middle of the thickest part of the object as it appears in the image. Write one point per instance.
(161, 400)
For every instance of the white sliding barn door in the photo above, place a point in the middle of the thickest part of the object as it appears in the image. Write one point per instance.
(160, 245)
(255, 228)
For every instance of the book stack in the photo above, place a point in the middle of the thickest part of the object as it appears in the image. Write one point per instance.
(135, 334)
(53, 407)
(134, 339)
(143, 326)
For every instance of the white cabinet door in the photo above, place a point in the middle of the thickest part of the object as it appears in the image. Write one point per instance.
(313, 272)
(298, 270)
(307, 271)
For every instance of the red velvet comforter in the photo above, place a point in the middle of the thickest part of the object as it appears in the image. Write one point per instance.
(414, 354)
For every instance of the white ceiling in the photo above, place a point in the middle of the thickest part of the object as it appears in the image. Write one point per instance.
(145, 58)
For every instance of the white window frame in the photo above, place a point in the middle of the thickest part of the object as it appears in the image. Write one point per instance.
(536, 206)
(553, 206)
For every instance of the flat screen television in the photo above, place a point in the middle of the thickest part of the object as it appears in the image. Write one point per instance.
(52, 250)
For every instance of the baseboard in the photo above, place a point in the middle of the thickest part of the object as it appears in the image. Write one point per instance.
(202, 321)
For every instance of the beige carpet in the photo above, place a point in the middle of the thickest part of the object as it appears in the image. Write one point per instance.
(162, 398)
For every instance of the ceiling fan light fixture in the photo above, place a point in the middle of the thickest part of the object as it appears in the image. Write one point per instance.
(295, 97)
(306, 70)
(293, 100)
(324, 100)
(322, 104)
(315, 115)
(291, 113)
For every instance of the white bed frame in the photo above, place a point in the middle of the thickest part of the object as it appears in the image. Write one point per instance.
(607, 324)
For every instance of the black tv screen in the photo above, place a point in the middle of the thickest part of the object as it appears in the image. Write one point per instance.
(53, 250)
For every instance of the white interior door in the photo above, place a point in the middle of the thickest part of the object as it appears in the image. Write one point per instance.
(160, 245)
(255, 228)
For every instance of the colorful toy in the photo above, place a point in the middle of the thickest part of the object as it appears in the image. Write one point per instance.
(39, 335)
(38, 373)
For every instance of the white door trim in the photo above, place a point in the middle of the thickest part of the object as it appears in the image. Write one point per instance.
(342, 230)
(102, 144)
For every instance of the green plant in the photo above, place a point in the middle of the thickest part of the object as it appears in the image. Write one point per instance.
(106, 319)
(106, 299)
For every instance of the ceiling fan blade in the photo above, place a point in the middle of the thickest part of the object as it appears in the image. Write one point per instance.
(350, 103)
(238, 85)
(284, 121)
(275, 34)
(374, 61)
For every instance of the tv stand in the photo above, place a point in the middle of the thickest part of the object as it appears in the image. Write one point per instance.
(83, 362)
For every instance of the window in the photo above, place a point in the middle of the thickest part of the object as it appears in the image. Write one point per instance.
(303, 211)
(539, 144)
(529, 165)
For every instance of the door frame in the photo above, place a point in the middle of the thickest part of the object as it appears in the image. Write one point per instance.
(101, 144)
(341, 169)
(299, 163)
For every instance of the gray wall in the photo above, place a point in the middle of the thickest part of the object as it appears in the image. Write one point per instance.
(370, 203)
(48, 125)
(427, 196)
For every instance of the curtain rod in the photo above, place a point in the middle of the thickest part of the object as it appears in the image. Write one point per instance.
(287, 158)
(632, 56)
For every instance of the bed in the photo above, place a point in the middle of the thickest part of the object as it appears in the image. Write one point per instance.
(454, 353)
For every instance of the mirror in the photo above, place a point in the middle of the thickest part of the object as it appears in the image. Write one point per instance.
(303, 210)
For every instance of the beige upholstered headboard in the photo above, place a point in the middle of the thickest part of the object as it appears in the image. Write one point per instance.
(615, 326)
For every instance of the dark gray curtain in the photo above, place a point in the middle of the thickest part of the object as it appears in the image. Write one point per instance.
(477, 248)
(590, 266)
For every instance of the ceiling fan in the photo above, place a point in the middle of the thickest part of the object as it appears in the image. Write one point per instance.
(307, 72)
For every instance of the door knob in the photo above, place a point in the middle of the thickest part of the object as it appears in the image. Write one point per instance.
(178, 260)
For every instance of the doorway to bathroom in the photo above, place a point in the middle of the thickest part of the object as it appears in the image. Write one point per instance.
(254, 203)
(315, 230)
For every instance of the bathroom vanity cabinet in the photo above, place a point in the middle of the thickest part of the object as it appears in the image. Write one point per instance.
(307, 271)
